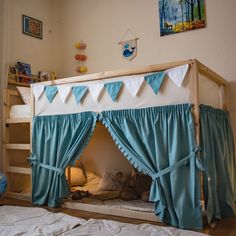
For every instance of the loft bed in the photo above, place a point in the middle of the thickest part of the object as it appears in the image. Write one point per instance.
(160, 130)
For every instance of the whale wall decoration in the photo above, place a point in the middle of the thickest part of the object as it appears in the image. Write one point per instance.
(129, 48)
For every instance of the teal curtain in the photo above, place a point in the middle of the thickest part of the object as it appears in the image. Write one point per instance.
(218, 154)
(56, 142)
(160, 142)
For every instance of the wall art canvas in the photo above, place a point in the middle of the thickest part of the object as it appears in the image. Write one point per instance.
(181, 15)
(32, 27)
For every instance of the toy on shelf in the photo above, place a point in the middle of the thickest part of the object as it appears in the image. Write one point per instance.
(53, 76)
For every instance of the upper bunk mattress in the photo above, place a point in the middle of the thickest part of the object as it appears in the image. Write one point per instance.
(20, 111)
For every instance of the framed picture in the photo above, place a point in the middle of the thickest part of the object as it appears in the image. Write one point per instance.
(23, 68)
(32, 27)
(180, 16)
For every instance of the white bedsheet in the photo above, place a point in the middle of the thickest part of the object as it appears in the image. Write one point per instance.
(33, 221)
(20, 111)
(113, 228)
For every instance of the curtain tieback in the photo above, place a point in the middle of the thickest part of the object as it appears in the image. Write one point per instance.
(173, 167)
(156, 191)
(34, 161)
(56, 169)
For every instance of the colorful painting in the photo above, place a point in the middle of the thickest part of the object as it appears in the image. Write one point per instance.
(181, 15)
(32, 27)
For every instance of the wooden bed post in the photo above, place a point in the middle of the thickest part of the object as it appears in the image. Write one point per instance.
(194, 98)
(224, 97)
(6, 108)
(32, 112)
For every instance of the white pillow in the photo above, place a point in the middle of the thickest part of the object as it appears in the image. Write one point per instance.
(112, 180)
(25, 94)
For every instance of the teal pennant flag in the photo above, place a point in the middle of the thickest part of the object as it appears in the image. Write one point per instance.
(79, 92)
(51, 92)
(155, 80)
(113, 88)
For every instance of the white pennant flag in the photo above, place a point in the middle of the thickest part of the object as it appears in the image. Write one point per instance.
(64, 92)
(133, 85)
(95, 90)
(177, 74)
(38, 91)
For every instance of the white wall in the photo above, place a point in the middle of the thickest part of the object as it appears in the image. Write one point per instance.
(102, 23)
(40, 54)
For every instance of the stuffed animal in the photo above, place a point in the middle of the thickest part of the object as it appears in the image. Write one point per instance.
(3, 184)
(137, 186)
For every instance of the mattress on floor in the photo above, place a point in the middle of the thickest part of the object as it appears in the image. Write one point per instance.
(117, 203)
(109, 199)
(20, 111)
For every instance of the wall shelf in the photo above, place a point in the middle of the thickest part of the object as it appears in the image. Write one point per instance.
(22, 80)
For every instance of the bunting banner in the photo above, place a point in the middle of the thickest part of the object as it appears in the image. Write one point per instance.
(177, 74)
(113, 88)
(133, 85)
(155, 80)
(51, 92)
(95, 90)
(64, 92)
(38, 91)
(79, 92)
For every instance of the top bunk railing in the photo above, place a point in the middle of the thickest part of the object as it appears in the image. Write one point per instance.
(202, 69)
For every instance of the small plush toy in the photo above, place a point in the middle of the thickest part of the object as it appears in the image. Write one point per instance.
(3, 184)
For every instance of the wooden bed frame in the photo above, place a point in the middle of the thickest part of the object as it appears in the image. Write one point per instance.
(195, 68)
